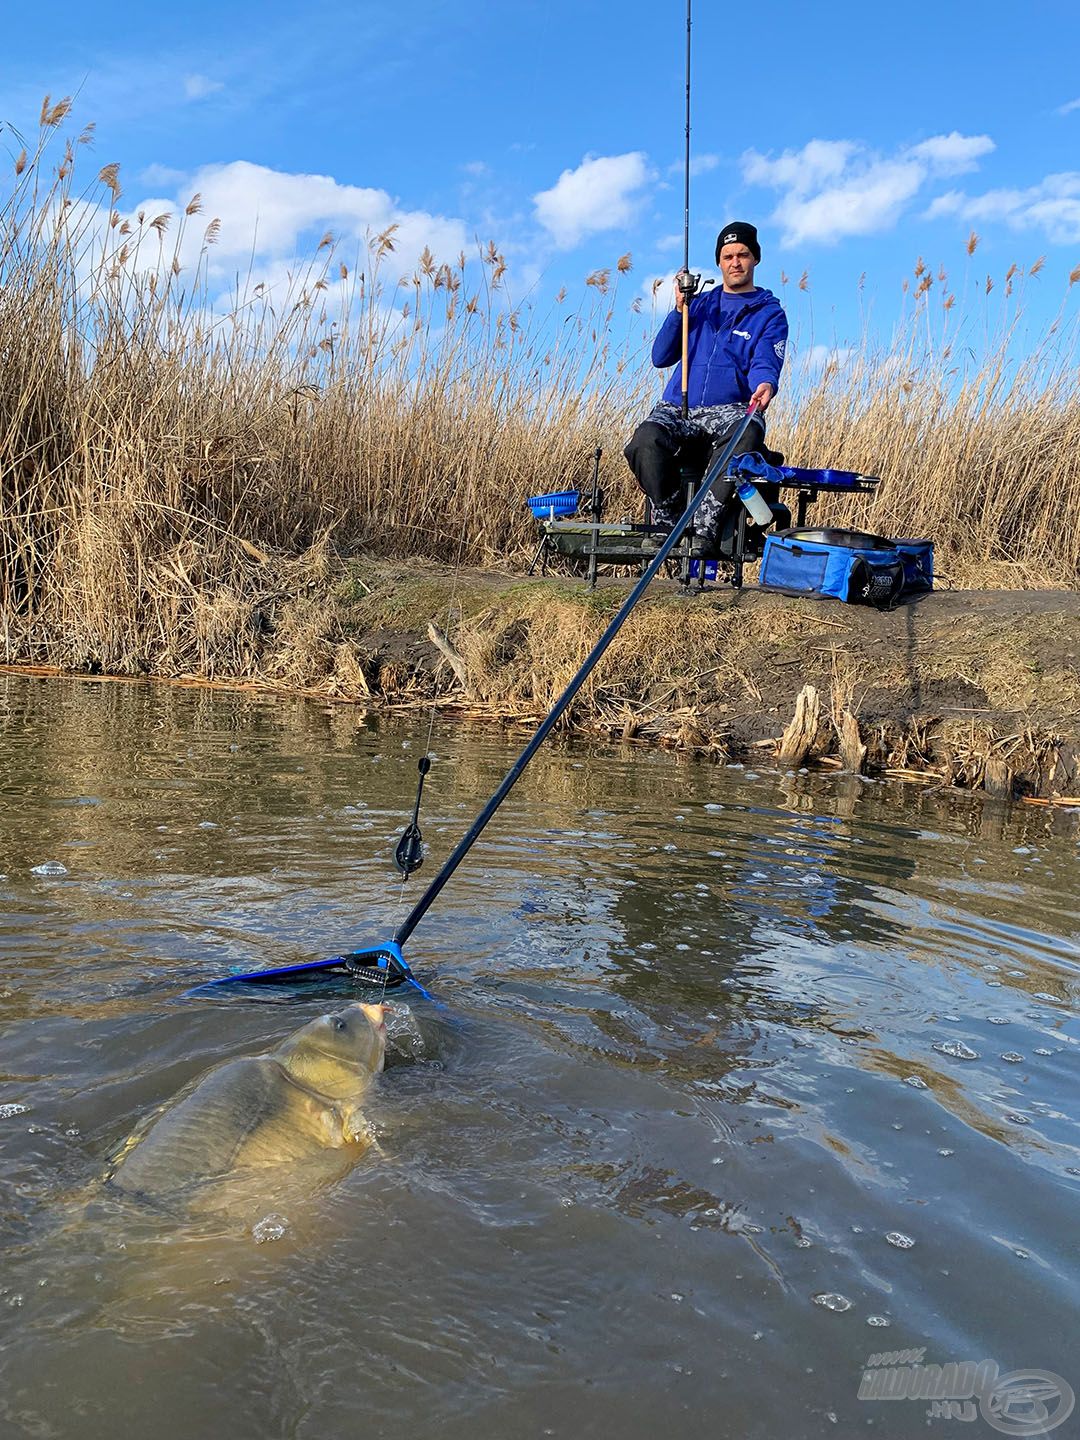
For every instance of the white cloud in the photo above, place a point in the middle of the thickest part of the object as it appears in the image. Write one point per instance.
(825, 357)
(832, 189)
(271, 223)
(601, 194)
(800, 171)
(279, 215)
(699, 165)
(952, 154)
(1069, 107)
(1053, 206)
(161, 176)
(197, 87)
(702, 164)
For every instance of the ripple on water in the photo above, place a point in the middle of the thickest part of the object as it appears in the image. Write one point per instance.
(956, 1049)
(638, 1073)
(831, 1300)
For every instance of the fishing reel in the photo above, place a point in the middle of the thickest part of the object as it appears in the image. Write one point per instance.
(688, 284)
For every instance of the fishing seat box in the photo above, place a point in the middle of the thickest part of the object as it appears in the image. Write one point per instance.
(846, 565)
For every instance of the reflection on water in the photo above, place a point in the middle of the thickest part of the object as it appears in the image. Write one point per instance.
(741, 1078)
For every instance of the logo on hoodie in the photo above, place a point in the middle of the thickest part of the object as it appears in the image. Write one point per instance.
(779, 348)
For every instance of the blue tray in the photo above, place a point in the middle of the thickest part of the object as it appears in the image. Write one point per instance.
(559, 502)
(837, 479)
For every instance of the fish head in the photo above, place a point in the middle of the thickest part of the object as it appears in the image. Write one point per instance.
(339, 1053)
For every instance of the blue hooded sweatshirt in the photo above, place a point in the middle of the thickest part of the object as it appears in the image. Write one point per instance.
(736, 342)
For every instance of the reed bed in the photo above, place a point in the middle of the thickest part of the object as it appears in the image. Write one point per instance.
(166, 457)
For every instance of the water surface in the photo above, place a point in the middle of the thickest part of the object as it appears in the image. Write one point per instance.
(741, 1079)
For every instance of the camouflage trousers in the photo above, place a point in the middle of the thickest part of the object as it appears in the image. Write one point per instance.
(665, 439)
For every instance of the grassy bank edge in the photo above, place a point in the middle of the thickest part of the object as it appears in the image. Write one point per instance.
(977, 689)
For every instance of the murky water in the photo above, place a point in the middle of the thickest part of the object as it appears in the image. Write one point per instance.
(741, 1080)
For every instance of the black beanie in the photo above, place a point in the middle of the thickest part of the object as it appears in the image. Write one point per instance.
(738, 233)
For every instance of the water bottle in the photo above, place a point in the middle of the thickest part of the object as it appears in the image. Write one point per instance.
(755, 502)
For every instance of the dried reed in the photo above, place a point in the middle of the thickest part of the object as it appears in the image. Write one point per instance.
(161, 460)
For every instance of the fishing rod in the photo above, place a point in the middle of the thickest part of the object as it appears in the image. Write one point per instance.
(384, 965)
(687, 282)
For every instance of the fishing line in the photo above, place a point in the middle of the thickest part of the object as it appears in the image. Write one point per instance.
(409, 853)
(365, 965)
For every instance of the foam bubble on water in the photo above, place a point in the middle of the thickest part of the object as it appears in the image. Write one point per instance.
(993, 984)
(956, 1049)
(7, 1111)
(946, 1152)
(270, 1227)
(829, 1300)
(713, 806)
(1016, 1118)
(751, 775)
(208, 825)
(1042, 1050)
(803, 1243)
(916, 1082)
(1013, 1058)
(900, 1240)
(49, 867)
(882, 1321)
(997, 1020)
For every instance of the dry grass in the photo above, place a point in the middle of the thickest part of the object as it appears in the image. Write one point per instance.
(156, 454)
(162, 463)
(973, 424)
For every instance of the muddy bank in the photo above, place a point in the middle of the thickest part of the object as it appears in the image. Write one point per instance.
(979, 688)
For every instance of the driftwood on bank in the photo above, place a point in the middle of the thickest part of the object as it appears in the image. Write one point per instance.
(452, 656)
(801, 735)
(852, 749)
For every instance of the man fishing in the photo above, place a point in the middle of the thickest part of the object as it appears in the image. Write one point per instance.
(735, 351)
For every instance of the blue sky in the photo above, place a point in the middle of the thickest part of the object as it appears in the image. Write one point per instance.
(858, 139)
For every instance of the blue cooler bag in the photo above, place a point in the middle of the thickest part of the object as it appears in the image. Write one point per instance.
(846, 565)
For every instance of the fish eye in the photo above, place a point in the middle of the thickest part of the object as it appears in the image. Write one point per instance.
(340, 1023)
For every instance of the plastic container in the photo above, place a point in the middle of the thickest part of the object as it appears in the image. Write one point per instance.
(558, 502)
(759, 508)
